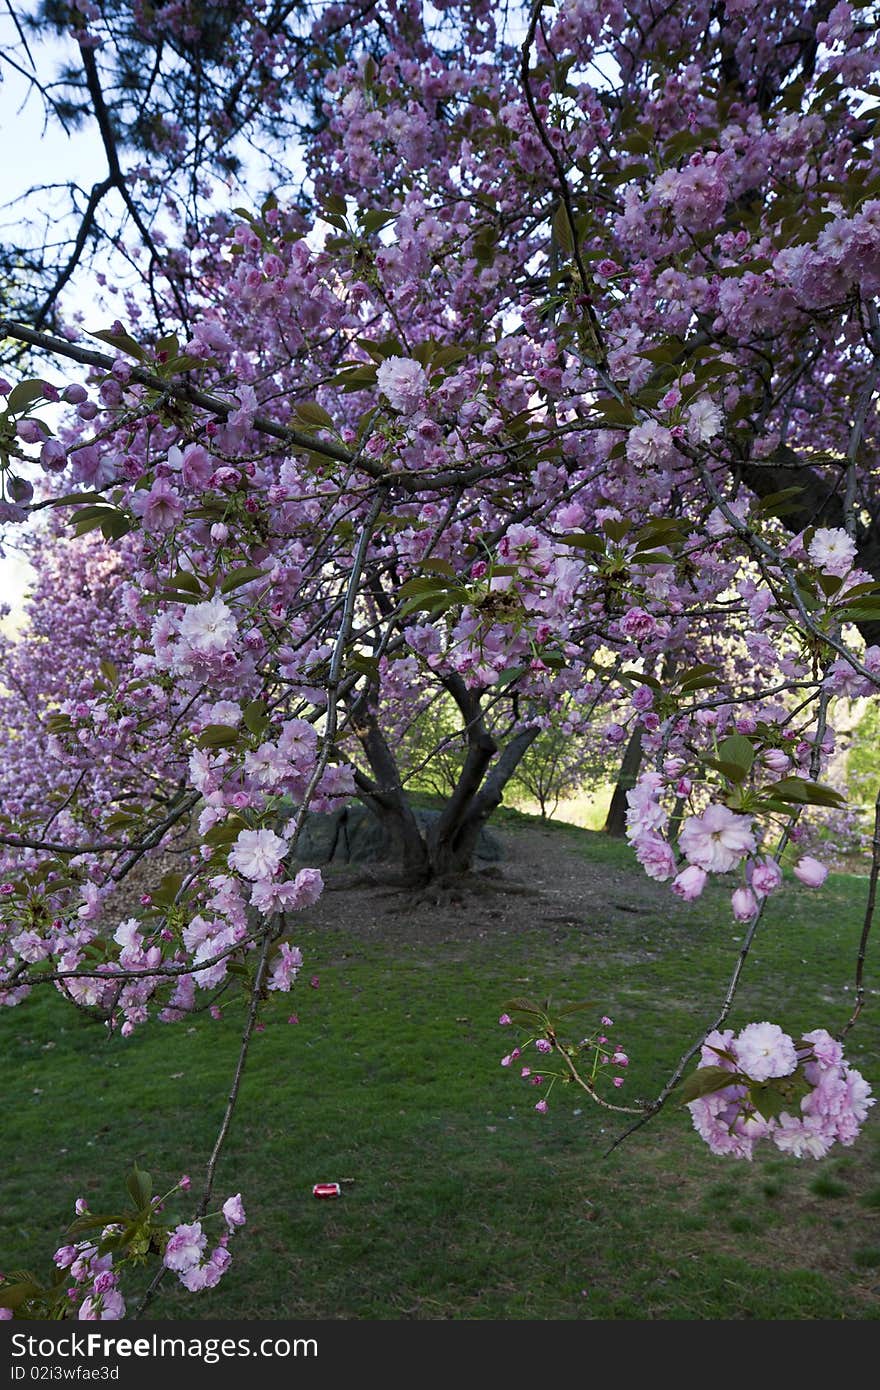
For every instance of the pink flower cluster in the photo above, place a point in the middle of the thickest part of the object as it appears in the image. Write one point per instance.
(599, 1051)
(94, 1280)
(819, 1098)
(186, 1247)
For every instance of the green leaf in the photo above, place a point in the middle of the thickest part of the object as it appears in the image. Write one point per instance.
(113, 528)
(642, 678)
(734, 772)
(767, 1099)
(92, 1221)
(662, 531)
(448, 356)
(575, 1008)
(218, 736)
(24, 395)
(355, 378)
(366, 665)
(870, 588)
(182, 579)
(14, 1295)
(737, 749)
(652, 557)
(705, 1081)
(525, 1006)
(312, 415)
(420, 584)
(585, 540)
(702, 668)
(484, 246)
(374, 221)
(829, 583)
(799, 791)
(140, 1187)
(223, 834)
(109, 671)
(666, 354)
(164, 895)
(124, 342)
(613, 412)
(562, 229)
(90, 518)
(184, 363)
(244, 575)
(255, 718)
(430, 603)
(81, 499)
(698, 683)
(179, 596)
(510, 674)
(865, 611)
(169, 346)
(778, 503)
(438, 566)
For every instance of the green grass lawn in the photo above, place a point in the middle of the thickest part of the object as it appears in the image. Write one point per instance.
(464, 1203)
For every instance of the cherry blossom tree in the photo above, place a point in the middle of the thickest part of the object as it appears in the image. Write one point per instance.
(560, 397)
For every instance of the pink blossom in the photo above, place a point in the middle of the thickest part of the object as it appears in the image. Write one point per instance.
(649, 445)
(832, 550)
(196, 467)
(185, 1246)
(704, 420)
(827, 1050)
(233, 1211)
(403, 382)
(108, 1307)
(53, 456)
(690, 883)
(744, 904)
(257, 854)
(285, 967)
(763, 1050)
(655, 856)
(810, 871)
(716, 840)
(206, 630)
(766, 877)
(160, 509)
(637, 624)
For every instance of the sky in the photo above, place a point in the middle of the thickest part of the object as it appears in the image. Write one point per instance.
(37, 152)
(34, 152)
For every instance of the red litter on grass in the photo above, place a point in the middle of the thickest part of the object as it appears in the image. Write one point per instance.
(326, 1189)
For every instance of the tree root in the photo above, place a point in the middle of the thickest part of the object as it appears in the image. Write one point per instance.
(444, 891)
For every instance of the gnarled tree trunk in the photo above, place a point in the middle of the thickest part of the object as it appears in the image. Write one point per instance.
(445, 849)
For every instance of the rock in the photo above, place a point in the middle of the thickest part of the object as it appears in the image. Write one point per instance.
(355, 836)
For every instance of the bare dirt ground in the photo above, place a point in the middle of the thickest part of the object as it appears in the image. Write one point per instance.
(543, 880)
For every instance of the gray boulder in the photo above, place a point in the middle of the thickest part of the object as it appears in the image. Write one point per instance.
(355, 836)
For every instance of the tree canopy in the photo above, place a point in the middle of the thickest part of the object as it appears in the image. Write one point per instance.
(540, 386)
